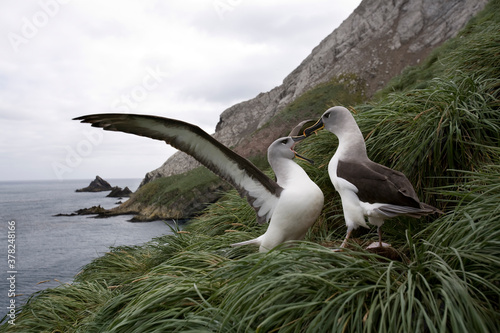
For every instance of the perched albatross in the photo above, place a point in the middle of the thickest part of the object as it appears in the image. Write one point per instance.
(291, 204)
(366, 188)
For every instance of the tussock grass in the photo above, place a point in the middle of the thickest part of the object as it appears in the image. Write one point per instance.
(453, 124)
(164, 191)
(441, 130)
(61, 309)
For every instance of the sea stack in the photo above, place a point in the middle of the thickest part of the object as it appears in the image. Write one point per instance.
(118, 192)
(97, 185)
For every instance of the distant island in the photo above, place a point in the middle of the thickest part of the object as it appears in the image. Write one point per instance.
(97, 185)
(100, 185)
(118, 192)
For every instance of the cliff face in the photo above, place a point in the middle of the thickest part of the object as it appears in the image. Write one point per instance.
(376, 42)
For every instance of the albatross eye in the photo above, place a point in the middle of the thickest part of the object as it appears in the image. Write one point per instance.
(284, 142)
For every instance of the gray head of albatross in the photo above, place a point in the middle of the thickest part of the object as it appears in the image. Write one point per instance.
(367, 189)
(291, 204)
(284, 148)
(339, 121)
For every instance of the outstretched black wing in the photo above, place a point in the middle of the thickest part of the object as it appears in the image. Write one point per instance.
(261, 191)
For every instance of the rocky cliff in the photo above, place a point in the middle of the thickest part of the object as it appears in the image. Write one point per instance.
(376, 42)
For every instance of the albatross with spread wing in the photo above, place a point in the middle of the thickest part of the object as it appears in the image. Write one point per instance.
(291, 204)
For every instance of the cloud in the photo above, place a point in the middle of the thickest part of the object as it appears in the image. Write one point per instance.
(188, 60)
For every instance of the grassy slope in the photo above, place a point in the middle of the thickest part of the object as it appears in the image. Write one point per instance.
(442, 131)
(164, 198)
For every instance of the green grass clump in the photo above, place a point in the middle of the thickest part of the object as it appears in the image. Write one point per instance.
(163, 191)
(452, 124)
(346, 89)
(61, 309)
(443, 132)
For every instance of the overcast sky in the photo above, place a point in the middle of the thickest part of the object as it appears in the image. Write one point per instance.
(185, 59)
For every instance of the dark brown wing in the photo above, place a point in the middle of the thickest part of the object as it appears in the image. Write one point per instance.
(379, 184)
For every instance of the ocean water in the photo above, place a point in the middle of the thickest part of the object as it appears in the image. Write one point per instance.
(54, 249)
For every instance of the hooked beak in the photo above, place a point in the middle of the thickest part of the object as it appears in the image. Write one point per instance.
(303, 158)
(314, 128)
(297, 139)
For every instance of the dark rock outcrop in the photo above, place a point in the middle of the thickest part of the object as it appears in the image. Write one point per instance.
(118, 192)
(94, 210)
(97, 185)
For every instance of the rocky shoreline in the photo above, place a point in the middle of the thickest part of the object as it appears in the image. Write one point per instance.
(94, 210)
(102, 213)
(101, 185)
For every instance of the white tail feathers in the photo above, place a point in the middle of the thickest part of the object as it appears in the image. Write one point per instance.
(256, 241)
(394, 210)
